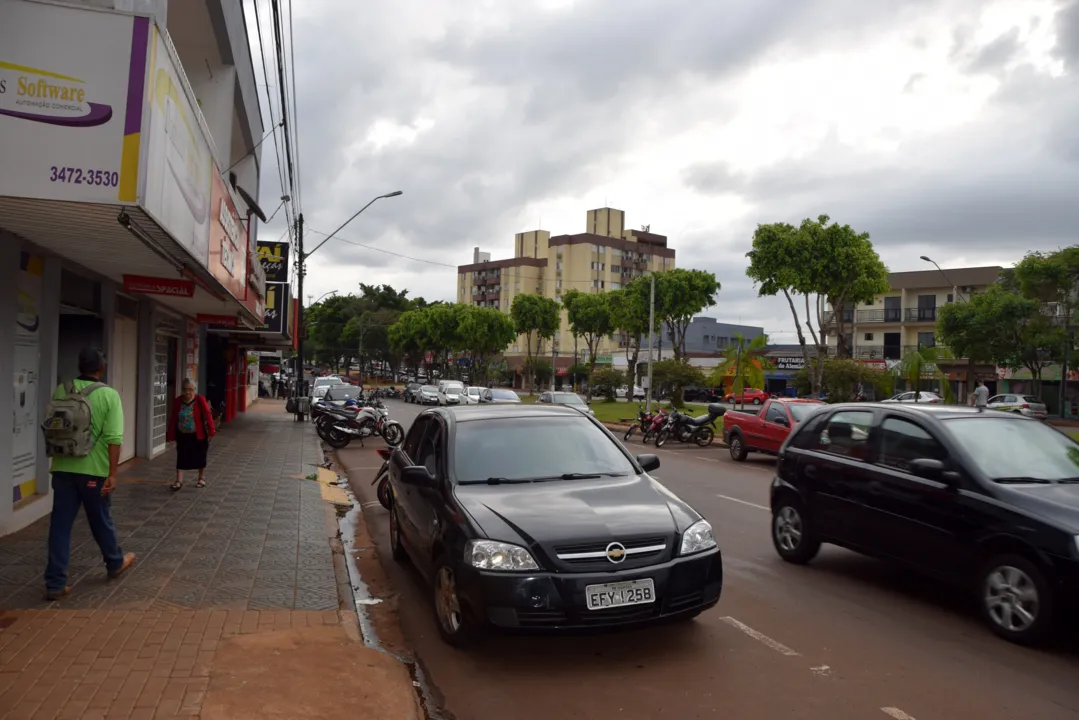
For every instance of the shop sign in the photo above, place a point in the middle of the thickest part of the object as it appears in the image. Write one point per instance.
(875, 364)
(178, 161)
(789, 363)
(191, 356)
(27, 356)
(173, 287)
(228, 250)
(273, 256)
(71, 100)
(277, 297)
(228, 322)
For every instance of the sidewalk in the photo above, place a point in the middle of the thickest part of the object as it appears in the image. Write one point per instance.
(232, 610)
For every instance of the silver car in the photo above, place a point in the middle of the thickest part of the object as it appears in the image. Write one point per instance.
(923, 397)
(1020, 404)
(427, 395)
(450, 392)
(566, 398)
(500, 396)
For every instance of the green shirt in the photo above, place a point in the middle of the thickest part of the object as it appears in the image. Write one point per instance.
(107, 423)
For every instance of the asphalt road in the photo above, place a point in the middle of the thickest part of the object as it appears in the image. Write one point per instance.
(845, 637)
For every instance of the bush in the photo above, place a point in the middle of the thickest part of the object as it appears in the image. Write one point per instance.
(842, 378)
(674, 376)
(605, 381)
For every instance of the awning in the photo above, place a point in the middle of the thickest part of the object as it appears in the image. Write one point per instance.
(93, 236)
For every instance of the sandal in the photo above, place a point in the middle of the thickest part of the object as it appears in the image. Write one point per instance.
(176, 485)
(201, 483)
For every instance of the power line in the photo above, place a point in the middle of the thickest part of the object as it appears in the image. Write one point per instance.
(295, 104)
(269, 105)
(279, 53)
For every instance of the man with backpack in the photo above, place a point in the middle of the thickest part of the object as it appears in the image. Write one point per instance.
(84, 428)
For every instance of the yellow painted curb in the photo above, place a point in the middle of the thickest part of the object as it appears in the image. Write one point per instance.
(330, 492)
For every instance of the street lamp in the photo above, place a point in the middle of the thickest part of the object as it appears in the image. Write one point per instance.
(316, 302)
(958, 298)
(301, 263)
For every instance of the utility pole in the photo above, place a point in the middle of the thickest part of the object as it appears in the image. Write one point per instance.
(651, 338)
(301, 378)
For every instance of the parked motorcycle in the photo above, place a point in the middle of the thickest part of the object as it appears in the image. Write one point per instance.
(382, 478)
(659, 420)
(340, 426)
(642, 423)
(686, 429)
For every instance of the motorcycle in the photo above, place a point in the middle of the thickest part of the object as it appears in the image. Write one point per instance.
(686, 429)
(658, 421)
(340, 426)
(643, 422)
(382, 478)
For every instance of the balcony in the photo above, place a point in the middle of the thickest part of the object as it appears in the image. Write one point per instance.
(887, 315)
(830, 316)
(943, 351)
(921, 314)
(877, 352)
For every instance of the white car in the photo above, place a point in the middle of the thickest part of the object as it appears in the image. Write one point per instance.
(623, 392)
(566, 398)
(472, 396)
(450, 392)
(1022, 404)
(923, 397)
(322, 384)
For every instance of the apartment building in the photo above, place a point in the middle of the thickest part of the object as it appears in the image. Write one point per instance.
(604, 257)
(128, 215)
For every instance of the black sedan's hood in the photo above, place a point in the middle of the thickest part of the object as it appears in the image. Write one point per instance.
(567, 511)
(1058, 504)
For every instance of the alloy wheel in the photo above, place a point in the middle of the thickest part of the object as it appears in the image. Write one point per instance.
(788, 528)
(447, 606)
(1011, 599)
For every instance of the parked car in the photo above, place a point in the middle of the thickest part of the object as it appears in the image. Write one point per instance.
(500, 396)
(566, 398)
(514, 535)
(472, 395)
(623, 392)
(986, 500)
(412, 391)
(1020, 404)
(765, 431)
(322, 384)
(428, 395)
(749, 395)
(450, 392)
(705, 395)
(923, 396)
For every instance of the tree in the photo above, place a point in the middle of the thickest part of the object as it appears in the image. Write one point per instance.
(920, 364)
(680, 295)
(534, 316)
(408, 338)
(743, 365)
(606, 382)
(484, 332)
(1008, 328)
(629, 313)
(538, 369)
(674, 376)
(589, 318)
(843, 377)
(817, 262)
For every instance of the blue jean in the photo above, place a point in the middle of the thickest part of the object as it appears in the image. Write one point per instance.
(71, 491)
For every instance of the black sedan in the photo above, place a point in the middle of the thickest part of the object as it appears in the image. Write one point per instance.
(536, 518)
(980, 498)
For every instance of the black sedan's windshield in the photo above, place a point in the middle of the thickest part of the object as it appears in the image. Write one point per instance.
(535, 448)
(1015, 450)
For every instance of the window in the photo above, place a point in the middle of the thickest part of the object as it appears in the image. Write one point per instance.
(846, 433)
(616, 286)
(902, 441)
(869, 337)
(411, 445)
(950, 298)
(807, 432)
(1002, 447)
(616, 269)
(776, 413)
(428, 448)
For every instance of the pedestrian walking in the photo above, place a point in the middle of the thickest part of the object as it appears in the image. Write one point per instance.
(84, 429)
(980, 397)
(191, 427)
(273, 386)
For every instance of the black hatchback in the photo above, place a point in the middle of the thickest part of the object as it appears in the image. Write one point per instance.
(536, 518)
(977, 497)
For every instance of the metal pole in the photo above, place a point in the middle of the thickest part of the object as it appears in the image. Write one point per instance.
(651, 338)
(554, 361)
(300, 376)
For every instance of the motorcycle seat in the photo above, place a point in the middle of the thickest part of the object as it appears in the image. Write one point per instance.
(702, 420)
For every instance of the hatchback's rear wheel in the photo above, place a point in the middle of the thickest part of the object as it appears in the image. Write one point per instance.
(792, 532)
(756, 401)
(738, 447)
(1016, 600)
(397, 546)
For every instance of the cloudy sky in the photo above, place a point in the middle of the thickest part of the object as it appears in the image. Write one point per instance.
(941, 127)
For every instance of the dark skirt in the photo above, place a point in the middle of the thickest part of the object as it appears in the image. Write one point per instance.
(190, 451)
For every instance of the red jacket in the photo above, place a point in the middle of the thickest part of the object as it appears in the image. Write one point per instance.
(204, 419)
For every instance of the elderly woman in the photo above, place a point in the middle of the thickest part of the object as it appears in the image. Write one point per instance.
(191, 426)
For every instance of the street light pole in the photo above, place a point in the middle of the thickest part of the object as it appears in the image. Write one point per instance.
(651, 338)
(958, 298)
(302, 267)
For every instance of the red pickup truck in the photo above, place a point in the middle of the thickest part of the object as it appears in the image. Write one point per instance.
(764, 432)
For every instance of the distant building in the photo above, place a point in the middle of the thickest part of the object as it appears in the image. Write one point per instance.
(706, 335)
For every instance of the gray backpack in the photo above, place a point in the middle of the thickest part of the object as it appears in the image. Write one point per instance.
(67, 426)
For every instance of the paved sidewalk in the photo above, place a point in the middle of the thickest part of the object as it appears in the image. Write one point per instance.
(231, 611)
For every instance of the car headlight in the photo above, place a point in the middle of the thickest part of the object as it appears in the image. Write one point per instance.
(697, 538)
(492, 555)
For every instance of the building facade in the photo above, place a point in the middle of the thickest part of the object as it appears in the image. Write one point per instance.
(128, 132)
(604, 257)
(706, 335)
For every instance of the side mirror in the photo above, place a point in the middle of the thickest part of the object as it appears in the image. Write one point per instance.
(417, 475)
(649, 462)
(933, 469)
(783, 421)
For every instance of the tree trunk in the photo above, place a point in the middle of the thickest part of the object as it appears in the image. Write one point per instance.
(802, 341)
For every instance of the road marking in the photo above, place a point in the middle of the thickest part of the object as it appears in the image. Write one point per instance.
(762, 638)
(896, 713)
(822, 671)
(745, 502)
(704, 458)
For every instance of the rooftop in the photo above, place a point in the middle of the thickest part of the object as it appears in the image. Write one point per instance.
(959, 277)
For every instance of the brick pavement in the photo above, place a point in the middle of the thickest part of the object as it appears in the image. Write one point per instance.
(248, 560)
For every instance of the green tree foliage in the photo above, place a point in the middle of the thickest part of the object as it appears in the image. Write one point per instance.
(629, 313)
(675, 375)
(919, 365)
(606, 382)
(814, 264)
(843, 377)
(680, 295)
(536, 317)
(743, 365)
(484, 332)
(590, 318)
(537, 370)
(1008, 328)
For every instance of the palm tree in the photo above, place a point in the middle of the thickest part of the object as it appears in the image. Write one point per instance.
(921, 362)
(742, 365)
